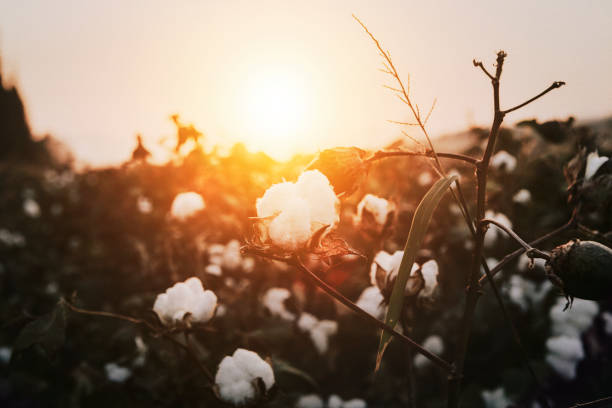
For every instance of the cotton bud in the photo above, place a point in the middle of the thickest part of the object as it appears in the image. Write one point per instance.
(291, 213)
(185, 300)
(186, 205)
(582, 269)
(243, 377)
(345, 167)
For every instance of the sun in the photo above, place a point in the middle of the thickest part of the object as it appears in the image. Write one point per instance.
(275, 110)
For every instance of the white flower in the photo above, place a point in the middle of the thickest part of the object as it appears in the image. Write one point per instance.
(145, 205)
(378, 207)
(237, 374)
(371, 300)
(116, 373)
(593, 163)
(309, 401)
(574, 321)
(433, 344)
(504, 161)
(186, 204)
(31, 208)
(10, 239)
(523, 196)
(298, 209)
(493, 233)
(319, 330)
(496, 398)
(564, 353)
(5, 354)
(183, 298)
(274, 301)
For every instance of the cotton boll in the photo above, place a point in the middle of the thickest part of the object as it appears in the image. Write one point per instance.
(371, 300)
(607, 318)
(432, 344)
(274, 199)
(429, 270)
(274, 299)
(564, 353)
(334, 401)
(215, 254)
(355, 403)
(232, 258)
(31, 208)
(320, 334)
(116, 373)
(494, 232)
(504, 161)
(307, 322)
(525, 293)
(314, 187)
(145, 205)
(213, 269)
(291, 229)
(378, 207)
(309, 401)
(236, 374)
(575, 320)
(186, 205)
(183, 298)
(248, 264)
(5, 354)
(496, 398)
(11, 239)
(593, 163)
(523, 196)
(425, 179)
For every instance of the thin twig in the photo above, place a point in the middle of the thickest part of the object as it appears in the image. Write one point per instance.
(555, 85)
(596, 403)
(381, 154)
(479, 64)
(531, 251)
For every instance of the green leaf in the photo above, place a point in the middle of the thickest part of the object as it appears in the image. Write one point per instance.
(49, 331)
(418, 229)
(281, 367)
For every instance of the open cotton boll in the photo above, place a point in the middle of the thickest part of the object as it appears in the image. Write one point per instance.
(607, 318)
(213, 269)
(232, 258)
(5, 354)
(389, 263)
(236, 374)
(183, 298)
(523, 196)
(496, 398)
(298, 210)
(563, 355)
(371, 300)
(504, 161)
(186, 204)
(572, 322)
(274, 301)
(593, 163)
(10, 239)
(525, 293)
(429, 270)
(145, 205)
(31, 208)
(319, 330)
(310, 401)
(378, 207)
(355, 403)
(116, 373)
(433, 344)
(494, 233)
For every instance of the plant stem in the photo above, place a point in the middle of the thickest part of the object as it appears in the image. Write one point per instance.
(531, 251)
(381, 154)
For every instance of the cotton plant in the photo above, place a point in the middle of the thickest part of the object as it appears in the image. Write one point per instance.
(319, 330)
(291, 213)
(243, 377)
(274, 301)
(186, 205)
(185, 301)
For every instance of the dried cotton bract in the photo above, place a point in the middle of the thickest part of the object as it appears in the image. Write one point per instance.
(293, 212)
(184, 298)
(237, 377)
(186, 204)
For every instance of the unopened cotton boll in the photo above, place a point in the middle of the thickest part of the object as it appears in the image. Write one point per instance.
(274, 301)
(186, 204)
(504, 161)
(116, 373)
(563, 355)
(371, 300)
(496, 398)
(376, 206)
(593, 163)
(298, 210)
(432, 344)
(319, 330)
(494, 233)
(236, 376)
(184, 298)
(309, 401)
(523, 196)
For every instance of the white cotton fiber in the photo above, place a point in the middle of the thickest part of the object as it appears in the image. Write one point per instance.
(274, 301)
(183, 298)
(378, 207)
(236, 375)
(186, 204)
(371, 300)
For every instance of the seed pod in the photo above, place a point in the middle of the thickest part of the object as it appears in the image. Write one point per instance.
(344, 167)
(582, 269)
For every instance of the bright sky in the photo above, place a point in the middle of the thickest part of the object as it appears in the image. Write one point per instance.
(286, 76)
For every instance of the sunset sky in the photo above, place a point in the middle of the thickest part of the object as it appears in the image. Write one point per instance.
(286, 76)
